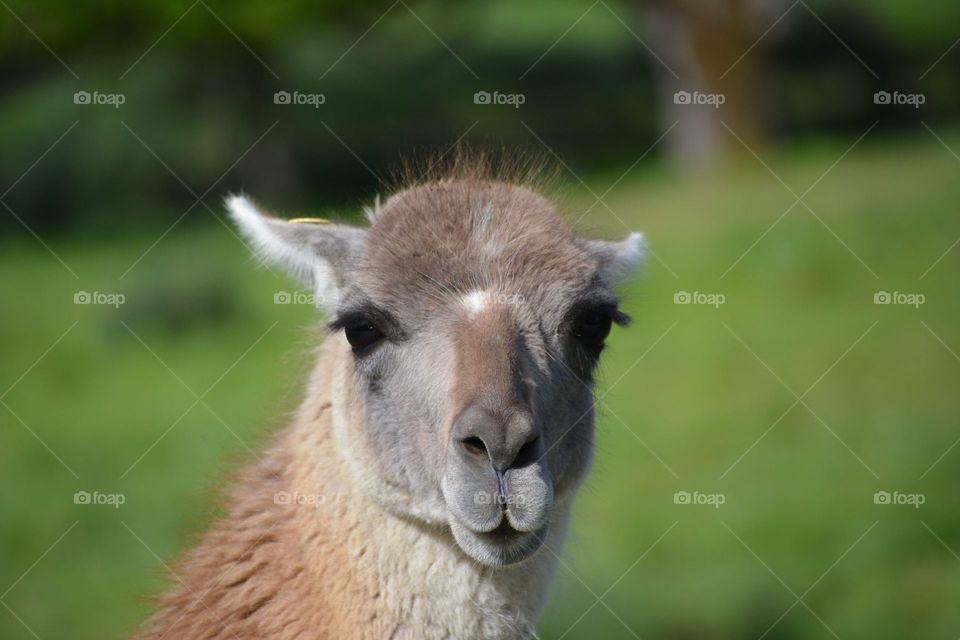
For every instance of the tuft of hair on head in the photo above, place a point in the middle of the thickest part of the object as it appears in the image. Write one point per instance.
(371, 211)
(462, 163)
(535, 171)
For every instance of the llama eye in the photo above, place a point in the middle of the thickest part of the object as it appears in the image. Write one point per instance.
(361, 334)
(593, 327)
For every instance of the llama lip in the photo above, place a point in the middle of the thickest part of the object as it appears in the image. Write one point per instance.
(499, 547)
(503, 533)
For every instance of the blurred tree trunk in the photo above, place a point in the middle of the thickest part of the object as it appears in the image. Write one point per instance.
(712, 48)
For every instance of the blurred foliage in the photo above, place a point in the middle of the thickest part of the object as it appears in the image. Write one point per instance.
(199, 80)
(910, 26)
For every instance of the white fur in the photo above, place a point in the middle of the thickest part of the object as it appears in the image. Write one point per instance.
(268, 244)
(476, 301)
(275, 242)
(624, 258)
(371, 212)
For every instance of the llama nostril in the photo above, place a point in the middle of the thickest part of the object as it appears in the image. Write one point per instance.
(503, 441)
(529, 453)
(475, 446)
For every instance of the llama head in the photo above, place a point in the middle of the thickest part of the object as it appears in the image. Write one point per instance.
(473, 319)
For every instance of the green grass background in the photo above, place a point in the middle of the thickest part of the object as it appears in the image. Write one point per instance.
(682, 400)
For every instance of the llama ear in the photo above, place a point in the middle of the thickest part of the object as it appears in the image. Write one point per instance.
(316, 251)
(616, 260)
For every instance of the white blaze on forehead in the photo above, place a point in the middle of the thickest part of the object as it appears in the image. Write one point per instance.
(475, 301)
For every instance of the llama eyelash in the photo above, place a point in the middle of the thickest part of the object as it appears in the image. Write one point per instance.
(601, 301)
(380, 318)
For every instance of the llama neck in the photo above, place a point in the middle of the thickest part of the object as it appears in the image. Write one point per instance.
(415, 578)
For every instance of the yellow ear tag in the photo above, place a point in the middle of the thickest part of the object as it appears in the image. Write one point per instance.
(309, 220)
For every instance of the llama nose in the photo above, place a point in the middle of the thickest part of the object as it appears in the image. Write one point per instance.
(512, 441)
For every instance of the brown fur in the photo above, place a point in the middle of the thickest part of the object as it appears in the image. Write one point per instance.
(270, 570)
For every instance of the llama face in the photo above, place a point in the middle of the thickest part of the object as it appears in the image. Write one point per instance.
(474, 320)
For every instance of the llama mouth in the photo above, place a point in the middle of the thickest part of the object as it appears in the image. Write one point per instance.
(499, 547)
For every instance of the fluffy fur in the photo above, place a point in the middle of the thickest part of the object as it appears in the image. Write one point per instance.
(363, 519)
(336, 565)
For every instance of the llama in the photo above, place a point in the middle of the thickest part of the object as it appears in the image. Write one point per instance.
(423, 487)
